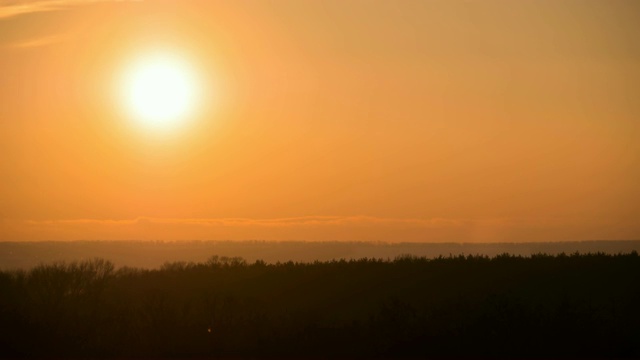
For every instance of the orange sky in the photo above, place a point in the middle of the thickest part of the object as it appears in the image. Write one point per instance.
(326, 120)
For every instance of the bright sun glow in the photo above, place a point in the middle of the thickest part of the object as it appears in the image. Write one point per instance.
(160, 91)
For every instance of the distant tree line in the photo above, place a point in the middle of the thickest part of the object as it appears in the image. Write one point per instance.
(538, 306)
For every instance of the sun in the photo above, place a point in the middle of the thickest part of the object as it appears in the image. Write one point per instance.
(160, 91)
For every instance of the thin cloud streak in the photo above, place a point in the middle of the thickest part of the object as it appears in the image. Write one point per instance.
(12, 9)
(39, 42)
(316, 228)
(311, 228)
(277, 222)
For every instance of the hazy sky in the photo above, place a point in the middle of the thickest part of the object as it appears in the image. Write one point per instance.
(325, 120)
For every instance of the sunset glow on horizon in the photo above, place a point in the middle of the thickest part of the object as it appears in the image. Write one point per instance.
(418, 121)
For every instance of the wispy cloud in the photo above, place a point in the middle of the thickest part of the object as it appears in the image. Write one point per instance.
(313, 228)
(303, 221)
(317, 228)
(10, 9)
(40, 41)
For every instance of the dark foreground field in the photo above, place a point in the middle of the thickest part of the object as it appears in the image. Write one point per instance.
(538, 306)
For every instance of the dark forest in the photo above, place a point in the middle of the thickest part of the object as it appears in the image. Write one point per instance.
(512, 306)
